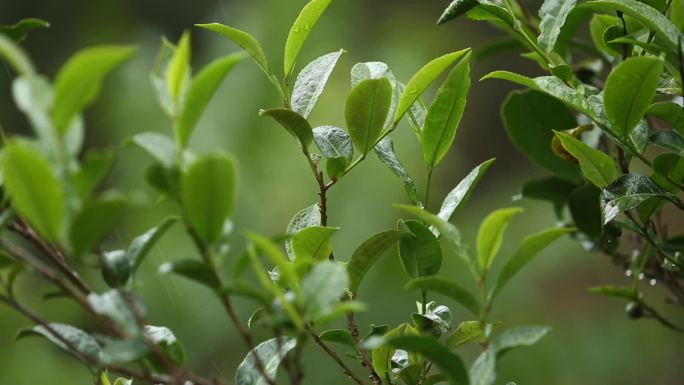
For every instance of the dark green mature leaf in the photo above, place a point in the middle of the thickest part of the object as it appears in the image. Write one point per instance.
(490, 235)
(435, 321)
(244, 40)
(677, 14)
(121, 351)
(271, 353)
(456, 9)
(93, 169)
(448, 363)
(670, 112)
(465, 332)
(322, 289)
(114, 306)
(333, 142)
(339, 336)
(552, 189)
(553, 14)
(370, 252)
(381, 356)
(447, 288)
(84, 344)
(312, 244)
(191, 269)
(492, 12)
(629, 91)
(208, 194)
(669, 139)
(420, 253)
(311, 82)
(518, 336)
(294, 123)
(365, 112)
(422, 79)
(585, 207)
(385, 152)
(15, 56)
(307, 217)
(78, 81)
(445, 114)
(599, 168)
(628, 192)
(461, 193)
(94, 222)
(20, 30)
(200, 92)
(529, 248)
(141, 246)
(300, 31)
(167, 342)
(529, 118)
(34, 188)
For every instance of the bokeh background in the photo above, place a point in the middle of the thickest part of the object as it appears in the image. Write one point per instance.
(592, 342)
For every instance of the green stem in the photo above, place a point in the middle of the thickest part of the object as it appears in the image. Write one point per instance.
(428, 184)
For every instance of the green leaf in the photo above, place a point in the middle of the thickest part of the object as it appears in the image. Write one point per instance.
(20, 30)
(629, 91)
(553, 14)
(519, 336)
(456, 9)
(208, 194)
(200, 92)
(193, 270)
(422, 79)
(15, 56)
(300, 30)
(178, 73)
(628, 192)
(307, 217)
(445, 114)
(494, 13)
(447, 288)
(333, 142)
(420, 253)
(599, 168)
(385, 152)
(114, 306)
(159, 74)
(93, 169)
(465, 332)
(490, 235)
(529, 118)
(614, 291)
(78, 81)
(94, 222)
(158, 145)
(461, 193)
(669, 139)
(271, 353)
(294, 123)
(552, 189)
(244, 40)
(34, 188)
(584, 204)
(271, 251)
(312, 244)
(339, 336)
(529, 248)
(322, 289)
(311, 83)
(167, 342)
(33, 95)
(671, 113)
(141, 246)
(84, 344)
(370, 252)
(381, 356)
(448, 363)
(365, 112)
(677, 14)
(483, 370)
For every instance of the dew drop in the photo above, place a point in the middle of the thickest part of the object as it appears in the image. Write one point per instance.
(628, 273)
(641, 276)
(652, 282)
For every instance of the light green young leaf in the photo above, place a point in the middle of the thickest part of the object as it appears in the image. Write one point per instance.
(244, 40)
(365, 111)
(307, 217)
(599, 168)
(94, 222)
(193, 270)
(273, 253)
(322, 289)
(340, 336)
(202, 89)
(670, 112)
(422, 79)
(629, 91)
(420, 253)
(159, 145)
(84, 343)
(461, 193)
(141, 246)
(311, 82)
(614, 291)
(465, 332)
(333, 142)
(312, 244)
(36, 192)
(20, 30)
(483, 370)
(445, 114)
(178, 73)
(448, 363)
(447, 288)
(518, 336)
(208, 194)
(370, 252)
(529, 248)
(78, 81)
(456, 9)
(33, 95)
(296, 124)
(15, 56)
(553, 14)
(490, 235)
(385, 152)
(300, 30)
(271, 353)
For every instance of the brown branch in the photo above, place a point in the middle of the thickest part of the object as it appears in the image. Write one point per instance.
(334, 356)
(365, 360)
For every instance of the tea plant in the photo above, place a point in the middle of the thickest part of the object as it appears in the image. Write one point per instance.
(56, 219)
(607, 122)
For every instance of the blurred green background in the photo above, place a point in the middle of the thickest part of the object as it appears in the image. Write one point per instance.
(592, 342)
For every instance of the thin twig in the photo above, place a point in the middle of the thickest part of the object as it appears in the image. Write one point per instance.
(334, 356)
